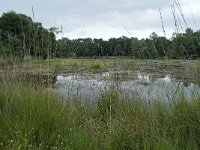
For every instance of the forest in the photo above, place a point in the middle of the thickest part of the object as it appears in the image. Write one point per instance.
(21, 37)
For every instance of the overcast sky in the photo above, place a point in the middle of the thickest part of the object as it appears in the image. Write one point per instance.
(107, 18)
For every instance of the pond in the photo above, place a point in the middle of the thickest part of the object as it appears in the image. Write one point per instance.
(132, 84)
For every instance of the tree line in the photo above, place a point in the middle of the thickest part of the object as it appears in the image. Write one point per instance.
(22, 37)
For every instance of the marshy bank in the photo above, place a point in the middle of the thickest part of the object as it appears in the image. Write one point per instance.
(32, 78)
(35, 117)
(88, 78)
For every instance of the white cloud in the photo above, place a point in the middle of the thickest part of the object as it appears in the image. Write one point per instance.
(106, 18)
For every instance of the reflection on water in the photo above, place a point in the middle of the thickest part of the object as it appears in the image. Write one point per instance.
(134, 84)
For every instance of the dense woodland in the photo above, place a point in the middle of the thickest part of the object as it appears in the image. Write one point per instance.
(22, 37)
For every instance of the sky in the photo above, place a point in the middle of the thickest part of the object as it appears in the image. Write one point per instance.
(108, 18)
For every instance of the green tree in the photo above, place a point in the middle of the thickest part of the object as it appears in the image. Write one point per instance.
(22, 37)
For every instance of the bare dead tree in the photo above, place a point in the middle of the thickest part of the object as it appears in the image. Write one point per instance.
(161, 18)
(33, 13)
(175, 20)
(181, 11)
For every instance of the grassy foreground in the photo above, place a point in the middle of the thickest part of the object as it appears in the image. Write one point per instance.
(32, 118)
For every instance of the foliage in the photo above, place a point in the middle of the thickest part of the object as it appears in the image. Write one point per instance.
(22, 37)
(182, 46)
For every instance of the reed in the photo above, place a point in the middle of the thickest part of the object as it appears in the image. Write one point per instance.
(34, 118)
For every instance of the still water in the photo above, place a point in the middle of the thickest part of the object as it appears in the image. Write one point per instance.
(132, 84)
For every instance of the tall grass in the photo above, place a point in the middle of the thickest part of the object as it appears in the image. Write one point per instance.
(34, 118)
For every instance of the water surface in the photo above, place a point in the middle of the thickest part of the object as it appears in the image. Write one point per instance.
(133, 84)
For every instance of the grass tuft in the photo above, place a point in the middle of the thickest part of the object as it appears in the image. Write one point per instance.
(34, 118)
